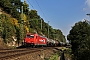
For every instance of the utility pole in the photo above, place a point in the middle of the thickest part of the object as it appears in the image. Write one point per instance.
(22, 14)
(21, 27)
(48, 29)
(41, 24)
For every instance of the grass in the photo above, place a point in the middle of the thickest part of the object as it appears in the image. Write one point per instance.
(53, 57)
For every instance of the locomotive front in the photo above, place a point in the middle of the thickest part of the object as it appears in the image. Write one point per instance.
(29, 39)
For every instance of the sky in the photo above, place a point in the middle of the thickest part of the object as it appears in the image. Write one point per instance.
(62, 14)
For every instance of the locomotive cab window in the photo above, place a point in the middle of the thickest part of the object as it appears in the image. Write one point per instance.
(30, 36)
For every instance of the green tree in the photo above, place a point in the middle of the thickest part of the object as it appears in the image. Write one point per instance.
(16, 8)
(8, 29)
(33, 14)
(12, 7)
(25, 8)
(79, 38)
(1, 25)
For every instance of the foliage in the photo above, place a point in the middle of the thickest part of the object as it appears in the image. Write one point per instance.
(25, 8)
(23, 16)
(53, 57)
(33, 14)
(79, 37)
(8, 29)
(14, 21)
(12, 7)
(13, 25)
(1, 27)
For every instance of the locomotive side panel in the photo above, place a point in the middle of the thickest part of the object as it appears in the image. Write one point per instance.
(35, 39)
(41, 40)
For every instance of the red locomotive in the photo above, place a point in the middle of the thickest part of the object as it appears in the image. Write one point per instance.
(34, 40)
(37, 40)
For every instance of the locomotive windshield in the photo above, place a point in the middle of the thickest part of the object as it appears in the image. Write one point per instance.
(30, 36)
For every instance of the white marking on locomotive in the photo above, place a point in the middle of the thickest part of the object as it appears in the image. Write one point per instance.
(42, 40)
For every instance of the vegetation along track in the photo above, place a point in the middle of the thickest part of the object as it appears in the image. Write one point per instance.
(10, 54)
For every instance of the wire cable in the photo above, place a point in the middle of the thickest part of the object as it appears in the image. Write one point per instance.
(40, 8)
(30, 4)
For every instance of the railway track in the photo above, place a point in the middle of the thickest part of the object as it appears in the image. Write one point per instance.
(11, 54)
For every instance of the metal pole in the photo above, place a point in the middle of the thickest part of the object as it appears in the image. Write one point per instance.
(48, 29)
(21, 26)
(41, 24)
(22, 14)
